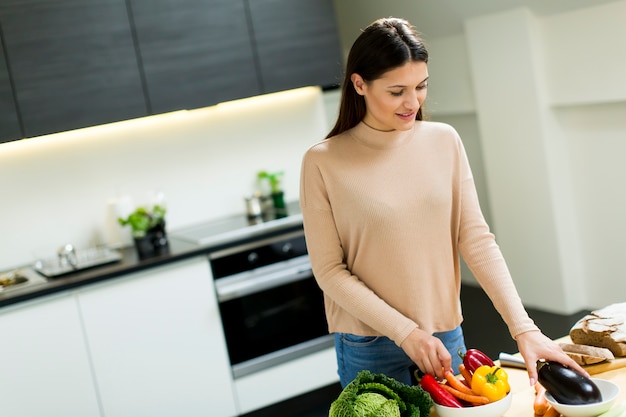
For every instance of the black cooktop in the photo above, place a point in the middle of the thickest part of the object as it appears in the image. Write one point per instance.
(238, 227)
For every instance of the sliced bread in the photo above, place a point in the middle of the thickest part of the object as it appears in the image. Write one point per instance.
(605, 328)
(585, 354)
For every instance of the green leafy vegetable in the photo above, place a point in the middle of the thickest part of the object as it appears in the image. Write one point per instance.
(372, 404)
(376, 395)
(143, 219)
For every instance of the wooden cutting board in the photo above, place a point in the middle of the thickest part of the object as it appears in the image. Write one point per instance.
(618, 362)
(606, 366)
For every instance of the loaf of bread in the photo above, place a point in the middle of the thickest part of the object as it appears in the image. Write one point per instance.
(603, 328)
(585, 354)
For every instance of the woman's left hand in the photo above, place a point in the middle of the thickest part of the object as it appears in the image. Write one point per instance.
(534, 345)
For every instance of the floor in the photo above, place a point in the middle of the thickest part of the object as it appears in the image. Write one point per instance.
(483, 330)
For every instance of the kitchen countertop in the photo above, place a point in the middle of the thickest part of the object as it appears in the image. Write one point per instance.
(183, 243)
(524, 394)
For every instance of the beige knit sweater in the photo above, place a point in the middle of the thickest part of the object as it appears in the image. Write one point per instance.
(386, 217)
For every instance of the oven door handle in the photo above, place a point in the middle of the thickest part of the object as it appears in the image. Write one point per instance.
(228, 290)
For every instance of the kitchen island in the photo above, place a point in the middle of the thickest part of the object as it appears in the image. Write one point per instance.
(524, 393)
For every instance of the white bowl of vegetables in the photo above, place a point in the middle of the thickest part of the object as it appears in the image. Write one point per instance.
(494, 409)
(609, 391)
(481, 389)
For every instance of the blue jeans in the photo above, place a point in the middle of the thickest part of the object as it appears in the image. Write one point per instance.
(381, 355)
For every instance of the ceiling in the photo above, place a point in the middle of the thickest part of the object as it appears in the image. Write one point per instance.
(437, 18)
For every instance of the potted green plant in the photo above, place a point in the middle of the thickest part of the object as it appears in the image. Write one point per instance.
(148, 230)
(275, 180)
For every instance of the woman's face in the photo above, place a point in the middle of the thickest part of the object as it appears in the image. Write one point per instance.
(392, 101)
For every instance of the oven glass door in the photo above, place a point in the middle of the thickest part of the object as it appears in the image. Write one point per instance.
(260, 325)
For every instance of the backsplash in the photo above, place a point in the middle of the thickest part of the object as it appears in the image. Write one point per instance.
(69, 187)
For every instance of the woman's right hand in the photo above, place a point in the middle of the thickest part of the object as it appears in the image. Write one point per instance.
(427, 352)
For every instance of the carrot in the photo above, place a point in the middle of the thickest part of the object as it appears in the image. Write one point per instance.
(470, 398)
(456, 383)
(540, 405)
(465, 373)
(551, 412)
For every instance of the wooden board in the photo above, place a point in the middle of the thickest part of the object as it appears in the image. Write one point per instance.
(598, 368)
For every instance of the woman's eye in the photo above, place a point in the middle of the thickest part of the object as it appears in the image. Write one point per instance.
(423, 86)
(396, 93)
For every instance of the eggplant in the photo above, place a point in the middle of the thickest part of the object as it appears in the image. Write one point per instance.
(566, 385)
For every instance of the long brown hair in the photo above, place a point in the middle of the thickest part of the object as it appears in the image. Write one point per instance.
(385, 44)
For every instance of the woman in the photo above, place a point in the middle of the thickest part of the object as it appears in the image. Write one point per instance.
(389, 205)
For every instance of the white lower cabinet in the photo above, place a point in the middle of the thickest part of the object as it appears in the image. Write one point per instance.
(157, 345)
(287, 380)
(149, 343)
(45, 368)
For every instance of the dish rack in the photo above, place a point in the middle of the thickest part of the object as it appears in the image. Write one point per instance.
(70, 260)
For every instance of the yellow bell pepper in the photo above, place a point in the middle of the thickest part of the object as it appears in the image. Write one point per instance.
(491, 382)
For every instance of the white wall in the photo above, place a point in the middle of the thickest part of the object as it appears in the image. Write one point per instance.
(549, 100)
(56, 189)
(585, 53)
(450, 88)
(596, 137)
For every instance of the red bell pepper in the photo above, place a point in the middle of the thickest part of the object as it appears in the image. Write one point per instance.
(474, 359)
(438, 394)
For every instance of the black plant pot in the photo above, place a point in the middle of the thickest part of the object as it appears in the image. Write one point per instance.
(154, 243)
(278, 200)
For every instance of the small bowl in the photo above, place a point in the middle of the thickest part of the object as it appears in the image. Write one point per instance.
(494, 409)
(609, 391)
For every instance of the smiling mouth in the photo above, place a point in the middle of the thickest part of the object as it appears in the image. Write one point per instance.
(406, 115)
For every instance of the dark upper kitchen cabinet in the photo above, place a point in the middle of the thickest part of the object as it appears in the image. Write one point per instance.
(73, 63)
(9, 123)
(297, 43)
(194, 53)
(69, 64)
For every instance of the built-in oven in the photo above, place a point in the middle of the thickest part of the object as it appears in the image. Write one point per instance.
(271, 308)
